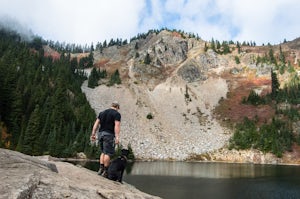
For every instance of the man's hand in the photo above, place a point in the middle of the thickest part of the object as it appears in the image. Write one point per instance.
(93, 137)
(117, 140)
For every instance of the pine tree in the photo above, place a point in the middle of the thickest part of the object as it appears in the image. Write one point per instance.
(104, 44)
(31, 136)
(147, 59)
(15, 118)
(275, 84)
(93, 78)
(226, 48)
(213, 45)
(271, 57)
(52, 141)
(90, 62)
(42, 143)
(238, 45)
(74, 65)
(79, 143)
(205, 47)
(115, 78)
(218, 44)
(281, 55)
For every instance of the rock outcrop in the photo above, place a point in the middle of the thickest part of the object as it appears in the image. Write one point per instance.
(250, 156)
(23, 176)
(174, 88)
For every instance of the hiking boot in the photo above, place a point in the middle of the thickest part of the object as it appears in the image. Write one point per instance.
(100, 172)
(104, 174)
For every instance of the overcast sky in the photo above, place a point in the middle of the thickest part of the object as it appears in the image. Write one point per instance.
(87, 21)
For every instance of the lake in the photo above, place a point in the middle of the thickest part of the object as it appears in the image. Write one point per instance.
(191, 180)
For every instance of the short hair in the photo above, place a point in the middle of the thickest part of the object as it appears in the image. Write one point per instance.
(115, 104)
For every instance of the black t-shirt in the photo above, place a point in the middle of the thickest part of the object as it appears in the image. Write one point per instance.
(107, 120)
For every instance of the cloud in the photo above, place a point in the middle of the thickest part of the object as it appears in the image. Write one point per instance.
(262, 21)
(12, 24)
(83, 22)
(77, 21)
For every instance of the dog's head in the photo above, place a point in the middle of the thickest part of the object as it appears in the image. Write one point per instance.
(124, 152)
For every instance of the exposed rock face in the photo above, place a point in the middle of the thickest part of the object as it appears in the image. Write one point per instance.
(174, 88)
(23, 176)
(180, 126)
(191, 72)
(180, 87)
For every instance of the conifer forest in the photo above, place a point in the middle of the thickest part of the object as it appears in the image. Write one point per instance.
(42, 108)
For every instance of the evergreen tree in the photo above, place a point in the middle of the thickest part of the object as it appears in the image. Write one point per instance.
(15, 118)
(42, 143)
(82, 63)
(104, 44)
(237, 60)
(205, 47)
(100, 48)
(281, 56)
(226, 48)
(52, 141)
(147, 59)
(218, 44)
(90, 61)
(213, 45)
(58, 106)
(74, 65)
(111, 43)
(239, 47)
(275, 84)
(271, 56)
(30, 143)
(92, 47)
(93, 78)
(79, 143)
(115, 78)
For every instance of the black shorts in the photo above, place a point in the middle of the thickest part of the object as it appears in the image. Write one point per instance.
(107, 144)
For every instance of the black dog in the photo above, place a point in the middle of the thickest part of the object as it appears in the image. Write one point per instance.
(117, 167)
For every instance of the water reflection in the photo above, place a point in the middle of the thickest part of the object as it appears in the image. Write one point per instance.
(201, 170)
(181, 180)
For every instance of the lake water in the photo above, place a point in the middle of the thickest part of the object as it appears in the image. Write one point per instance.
(191, 180)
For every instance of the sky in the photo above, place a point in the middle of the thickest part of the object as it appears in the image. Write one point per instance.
(92, 21)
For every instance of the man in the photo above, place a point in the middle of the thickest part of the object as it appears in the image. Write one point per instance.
(108, 135)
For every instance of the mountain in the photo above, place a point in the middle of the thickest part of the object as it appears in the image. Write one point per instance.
(192, 91)
(181, 97)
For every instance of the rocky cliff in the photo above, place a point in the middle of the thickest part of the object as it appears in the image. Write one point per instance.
(23, 176)
(181, 88)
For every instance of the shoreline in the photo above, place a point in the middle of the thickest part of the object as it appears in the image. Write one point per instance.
(161, 160)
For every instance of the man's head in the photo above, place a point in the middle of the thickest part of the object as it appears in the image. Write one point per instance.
(116, 105)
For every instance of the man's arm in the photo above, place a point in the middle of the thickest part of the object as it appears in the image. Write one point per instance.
(117, 130)
(95, 127)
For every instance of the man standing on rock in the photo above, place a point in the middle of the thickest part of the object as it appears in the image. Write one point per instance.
(109, 121)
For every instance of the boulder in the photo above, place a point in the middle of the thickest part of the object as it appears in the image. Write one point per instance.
(23, 176)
